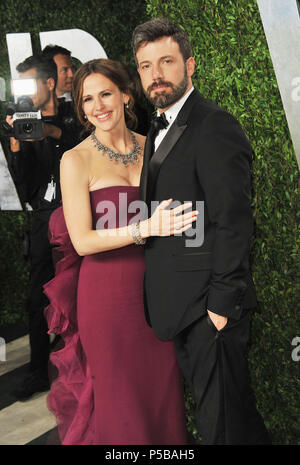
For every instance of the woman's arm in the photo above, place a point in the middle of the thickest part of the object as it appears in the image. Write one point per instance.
(78, 216)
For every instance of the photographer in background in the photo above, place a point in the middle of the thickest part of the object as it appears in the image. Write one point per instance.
(34, 165)
(65, 70)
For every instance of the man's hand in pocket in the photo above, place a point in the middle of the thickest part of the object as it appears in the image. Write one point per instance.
(218, 320)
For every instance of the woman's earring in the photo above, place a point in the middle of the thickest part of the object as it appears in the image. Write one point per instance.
(126, 105)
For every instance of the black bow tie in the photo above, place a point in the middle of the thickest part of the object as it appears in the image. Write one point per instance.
(160, 122)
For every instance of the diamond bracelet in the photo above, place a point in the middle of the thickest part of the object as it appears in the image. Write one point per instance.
(136, 234)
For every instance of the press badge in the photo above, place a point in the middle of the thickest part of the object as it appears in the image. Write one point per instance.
(50, 192)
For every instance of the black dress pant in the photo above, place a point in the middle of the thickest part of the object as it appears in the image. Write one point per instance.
(216, 369)
(41, 271)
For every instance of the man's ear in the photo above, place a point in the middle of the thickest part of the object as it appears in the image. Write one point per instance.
(50, 83)
(190, 66)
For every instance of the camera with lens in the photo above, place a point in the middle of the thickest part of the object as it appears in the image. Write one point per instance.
(27, 120)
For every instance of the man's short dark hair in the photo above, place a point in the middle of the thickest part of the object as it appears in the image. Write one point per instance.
(45, 67)
(52, 50)
(156, 29)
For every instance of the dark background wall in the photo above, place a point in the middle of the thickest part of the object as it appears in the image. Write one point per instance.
(234, 69)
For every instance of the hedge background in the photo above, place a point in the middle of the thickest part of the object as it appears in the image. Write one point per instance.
(235, 70)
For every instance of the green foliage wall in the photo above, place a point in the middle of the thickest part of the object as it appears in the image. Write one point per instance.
(235, 70)
(111, 22)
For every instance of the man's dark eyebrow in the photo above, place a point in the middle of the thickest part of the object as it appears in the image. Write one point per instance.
(161, 58)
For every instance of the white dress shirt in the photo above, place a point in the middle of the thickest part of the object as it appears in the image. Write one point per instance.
(67, 96)
(171, 115)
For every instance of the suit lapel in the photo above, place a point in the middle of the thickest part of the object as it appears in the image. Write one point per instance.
(150, 172)
(172, 136)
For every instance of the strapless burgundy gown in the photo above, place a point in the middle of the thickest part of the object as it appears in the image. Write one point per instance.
(117, 383)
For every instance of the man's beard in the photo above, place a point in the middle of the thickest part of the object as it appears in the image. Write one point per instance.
(164, 100)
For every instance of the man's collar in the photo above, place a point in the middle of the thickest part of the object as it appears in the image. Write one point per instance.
(67, 96)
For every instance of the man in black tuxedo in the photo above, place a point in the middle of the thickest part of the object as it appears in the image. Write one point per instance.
(199, 291)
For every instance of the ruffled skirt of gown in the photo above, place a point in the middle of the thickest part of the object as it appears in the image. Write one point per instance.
(117, 383)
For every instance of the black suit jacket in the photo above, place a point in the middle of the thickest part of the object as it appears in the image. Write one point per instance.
(205, 157)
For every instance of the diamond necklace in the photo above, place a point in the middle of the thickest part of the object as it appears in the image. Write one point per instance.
(126, 158)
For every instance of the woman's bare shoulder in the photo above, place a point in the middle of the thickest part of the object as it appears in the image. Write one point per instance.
(77, 155)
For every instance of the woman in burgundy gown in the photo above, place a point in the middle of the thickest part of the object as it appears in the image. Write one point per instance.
(116, 382)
